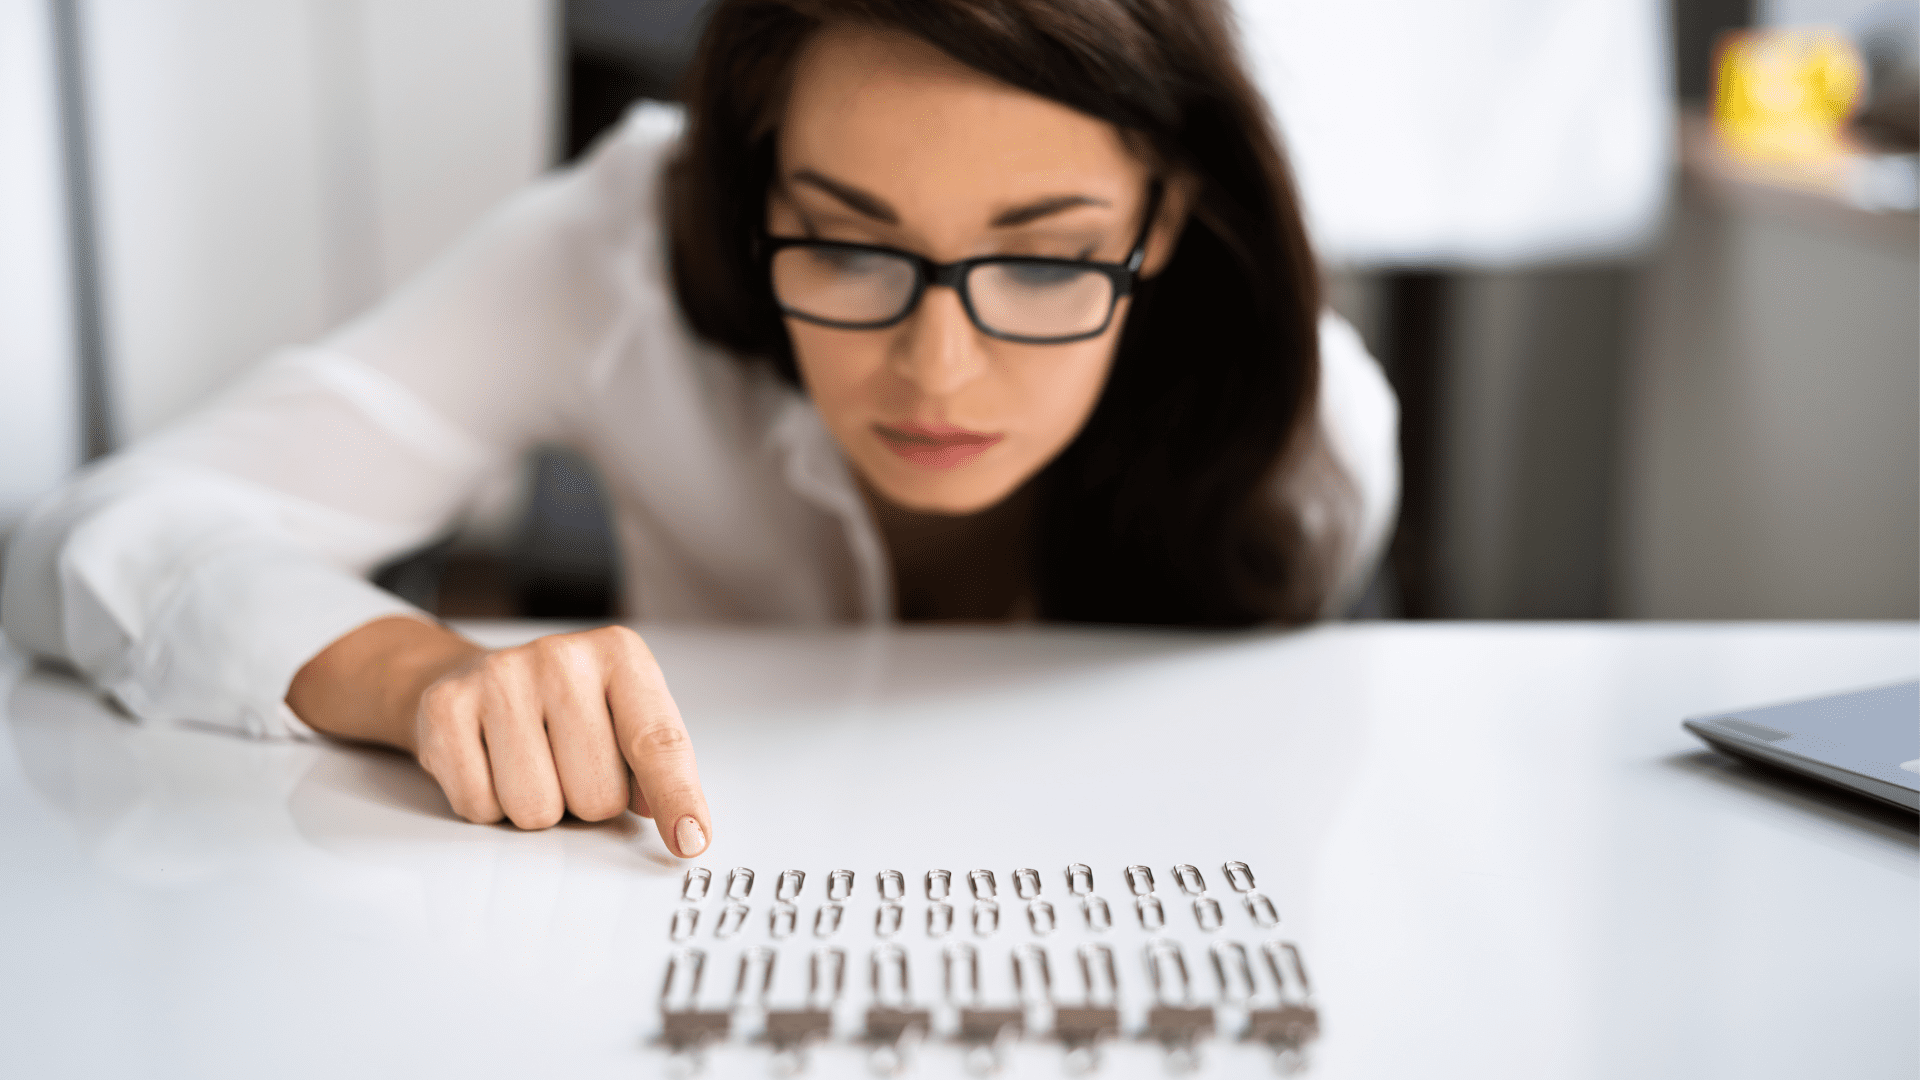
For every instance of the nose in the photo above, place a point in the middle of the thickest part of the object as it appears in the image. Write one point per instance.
(938, 350)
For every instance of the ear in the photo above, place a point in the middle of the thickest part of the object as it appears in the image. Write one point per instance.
(1176, 200)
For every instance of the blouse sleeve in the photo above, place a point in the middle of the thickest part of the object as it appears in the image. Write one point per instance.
(1360, 419)
(195, 574)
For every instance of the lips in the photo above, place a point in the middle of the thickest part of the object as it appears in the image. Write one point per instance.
(935, 446)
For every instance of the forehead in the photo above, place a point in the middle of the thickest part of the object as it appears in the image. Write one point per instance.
(891, 114)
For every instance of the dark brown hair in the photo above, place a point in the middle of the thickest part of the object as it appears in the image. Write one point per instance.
(1171, 506)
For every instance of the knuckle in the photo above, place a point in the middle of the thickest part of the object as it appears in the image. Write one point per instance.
(563, 650)
(544, 816)
(662, 740)
(600, 806)
(442, 698)
(622, 638)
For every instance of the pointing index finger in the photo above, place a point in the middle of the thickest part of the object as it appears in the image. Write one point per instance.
(655, 742)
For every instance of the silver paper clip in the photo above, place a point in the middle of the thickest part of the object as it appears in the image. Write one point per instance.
(1095, 911)
(694, 888)
(1026, 883)
(739, 883)
(939, 919)
(1040, 917)
(782, 920)
(1292, 1024)
(1261, 910)
(789, 884)
(686, 922)
(1239, 876)
(839, 885)
(1139, 880)
(826, 921)
(981, 882)
(1080, 879)
(986, 918)
(892, 884)
(1187, 876)
(887, 919)
(684, 1026)
(939, 884)
(790, 1030)
(1174, 1021)
(1206, 912)
(732, 918)
(1081, 1027)
(1152, 915)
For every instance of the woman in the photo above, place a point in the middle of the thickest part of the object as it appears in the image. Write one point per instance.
(980, 309)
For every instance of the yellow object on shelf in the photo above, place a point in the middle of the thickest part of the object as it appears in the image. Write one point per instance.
(1783, 97)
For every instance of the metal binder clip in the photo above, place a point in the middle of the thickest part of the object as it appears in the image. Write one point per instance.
(1081, 1027)
(826, 921)
(1098, 915)
(782, 920)
(790, 1030)
(684, 1026)
(1080, 879)
(739, 883)
(789, 884)
(893, 886)
(732, 918)
(1291, 1026)
(887, 919)
(892, 1017)
(1174, 1021)
(939, 919)
(939, 884)
(839, 885)
(1040, 917)
(1139, 880)
(981, 882)
(1187, 876)
(686, 921)
(1026, 883)
(1152, 915)
(1206, 912)
(1262, 911)
(981, 1029)
(1239, 876)
(694, 888)
(986, 918)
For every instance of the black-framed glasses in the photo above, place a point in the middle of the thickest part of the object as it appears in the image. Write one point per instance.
(1028, 299)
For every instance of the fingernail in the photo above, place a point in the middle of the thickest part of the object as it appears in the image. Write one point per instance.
(687, 834)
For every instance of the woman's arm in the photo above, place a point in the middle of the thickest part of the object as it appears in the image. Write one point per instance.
(579, 723)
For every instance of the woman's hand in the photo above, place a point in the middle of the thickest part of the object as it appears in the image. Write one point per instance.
(572, 722)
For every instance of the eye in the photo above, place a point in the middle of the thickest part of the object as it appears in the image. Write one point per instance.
(850, 262)
(1041, 275)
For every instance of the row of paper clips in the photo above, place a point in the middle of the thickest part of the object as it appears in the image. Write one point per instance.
(1284, 1019)
(783, 920)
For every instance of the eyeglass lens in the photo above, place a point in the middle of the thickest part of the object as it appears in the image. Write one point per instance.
(1018, 298)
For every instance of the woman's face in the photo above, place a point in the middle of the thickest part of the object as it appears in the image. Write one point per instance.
(887, 141)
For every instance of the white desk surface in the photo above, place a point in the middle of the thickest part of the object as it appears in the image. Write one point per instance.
(1500, 852)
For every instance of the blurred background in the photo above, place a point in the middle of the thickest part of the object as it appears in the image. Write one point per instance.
(1643, 274)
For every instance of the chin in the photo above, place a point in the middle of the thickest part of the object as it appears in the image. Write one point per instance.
(947, 495)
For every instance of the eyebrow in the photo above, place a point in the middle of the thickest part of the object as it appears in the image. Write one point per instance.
(873, 206)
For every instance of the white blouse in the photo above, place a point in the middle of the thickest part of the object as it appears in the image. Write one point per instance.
(195, 574)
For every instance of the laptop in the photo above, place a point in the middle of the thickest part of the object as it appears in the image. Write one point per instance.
(1867, 742)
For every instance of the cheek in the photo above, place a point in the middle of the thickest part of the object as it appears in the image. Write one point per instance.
(840, 369)
(1057, 392)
